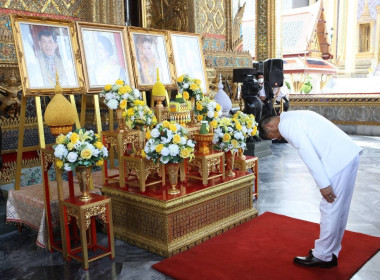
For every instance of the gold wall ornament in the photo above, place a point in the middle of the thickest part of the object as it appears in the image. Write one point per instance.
(167, 14)
(10, 103)
(265, 30)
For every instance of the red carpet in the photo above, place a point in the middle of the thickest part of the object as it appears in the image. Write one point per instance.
(264, 248)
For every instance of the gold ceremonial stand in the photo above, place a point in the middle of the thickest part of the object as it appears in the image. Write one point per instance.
(204, 163)
(85, 212)
(249, 163)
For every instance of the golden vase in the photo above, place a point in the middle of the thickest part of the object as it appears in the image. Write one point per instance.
(83, 174)
(230, 160)
(173, 169)
(120, 120)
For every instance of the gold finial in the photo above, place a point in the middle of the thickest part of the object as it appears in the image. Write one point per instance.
(158, 75)
(58, 88)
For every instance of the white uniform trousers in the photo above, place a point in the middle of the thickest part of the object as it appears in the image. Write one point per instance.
(334, 215)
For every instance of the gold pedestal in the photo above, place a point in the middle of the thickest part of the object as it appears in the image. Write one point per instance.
(251, 163)
(169, 226)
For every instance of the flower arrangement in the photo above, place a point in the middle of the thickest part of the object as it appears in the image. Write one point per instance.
(168, 143)
(208, 110)
(248, 122)
(228, 135)
(79, 148)
(119, 95)
(140, 115)
(189, 87)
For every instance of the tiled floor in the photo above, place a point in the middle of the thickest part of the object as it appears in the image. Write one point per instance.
(286, 187)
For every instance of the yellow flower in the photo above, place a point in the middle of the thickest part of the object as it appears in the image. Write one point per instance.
(185, 153)
(253, 133)
(107, 87)
(97, 136)
(100, 162)
(130, 112)
(199, 106)
(176, 138)
(214, 124)
(199, 118)
(186, 95)
(60, 139)
(197, 81)
(138, 102)
(154, 120)
(159, 148)
(218, 107)
(249, 125)
(70, 146)
(124, 113)
(122, 90)
(235, 143)
(173, 127)
(194, 87)
(143, 154)
(238, 126)
(86, 153)
(123, 104)
(147, 135)
(128, 89)
(226, 137)
(165, 124)
(99, 145)
(59, 163)
(216, 114)
(180, 79)
(74, 138)
(119, 82)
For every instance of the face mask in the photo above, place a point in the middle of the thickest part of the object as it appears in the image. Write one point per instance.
(261, 80)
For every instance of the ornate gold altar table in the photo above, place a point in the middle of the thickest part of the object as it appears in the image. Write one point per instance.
(168, 224)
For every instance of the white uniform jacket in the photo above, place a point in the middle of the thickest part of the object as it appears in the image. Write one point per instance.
(324, 148)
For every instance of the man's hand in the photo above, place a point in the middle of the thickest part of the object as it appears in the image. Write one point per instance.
(328, 194)
(262, 98)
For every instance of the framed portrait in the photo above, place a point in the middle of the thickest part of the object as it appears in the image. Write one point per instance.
(105, 54)
(151, 53)
(188, 56)
(45, 50)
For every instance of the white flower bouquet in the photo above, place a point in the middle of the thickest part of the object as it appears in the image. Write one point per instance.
(208, 110)
(140, 115)
(79, 148)
(119, 95)
(189, 87)
(228, 135)
(248, 122)
(168, 143)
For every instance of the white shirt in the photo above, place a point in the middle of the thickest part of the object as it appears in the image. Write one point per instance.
(280, 92)
(324, 148)
(262, 91)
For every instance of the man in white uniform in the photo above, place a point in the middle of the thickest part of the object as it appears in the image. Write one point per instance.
(333, 159)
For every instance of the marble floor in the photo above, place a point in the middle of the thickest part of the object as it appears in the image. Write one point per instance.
(286, 187)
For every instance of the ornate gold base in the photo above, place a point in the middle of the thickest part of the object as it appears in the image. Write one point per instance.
(162, 226)
(57, 130)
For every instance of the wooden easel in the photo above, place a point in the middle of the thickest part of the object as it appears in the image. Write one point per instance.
(40, 124)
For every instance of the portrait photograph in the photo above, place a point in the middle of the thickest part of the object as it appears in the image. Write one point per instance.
(151, 52)
(105, 53)
(188, 56)
(47, 50)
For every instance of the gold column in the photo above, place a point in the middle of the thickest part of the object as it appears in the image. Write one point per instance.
(265, 29)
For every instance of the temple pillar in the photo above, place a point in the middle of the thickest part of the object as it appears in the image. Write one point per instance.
(265, 29)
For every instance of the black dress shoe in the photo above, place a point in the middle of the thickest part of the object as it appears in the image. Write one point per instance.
(312, 261)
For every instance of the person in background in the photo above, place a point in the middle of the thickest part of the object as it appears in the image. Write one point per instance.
(333, 159)
(266, 94)
(281, 93)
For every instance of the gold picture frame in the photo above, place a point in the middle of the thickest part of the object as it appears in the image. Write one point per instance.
(44, 47)
(188, 56)
(151, 49)
(105, 54)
